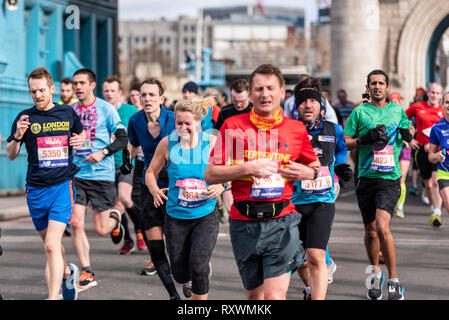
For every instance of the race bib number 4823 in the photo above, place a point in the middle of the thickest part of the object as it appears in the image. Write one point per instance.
(383, 160)
(53, 151)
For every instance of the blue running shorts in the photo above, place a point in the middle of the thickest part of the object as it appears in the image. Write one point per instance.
(51, 203)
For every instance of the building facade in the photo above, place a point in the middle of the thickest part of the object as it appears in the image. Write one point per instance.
(62, 36)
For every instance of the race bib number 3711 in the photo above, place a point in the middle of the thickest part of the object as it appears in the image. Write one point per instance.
(53, 151)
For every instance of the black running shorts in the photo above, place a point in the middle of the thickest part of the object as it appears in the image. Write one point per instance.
(100, 194)
(151, 216)
(424, 165)
(375, 194)
(315, 225)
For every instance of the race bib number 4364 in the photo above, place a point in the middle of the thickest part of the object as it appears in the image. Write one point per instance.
(53, 152)
(192, 193)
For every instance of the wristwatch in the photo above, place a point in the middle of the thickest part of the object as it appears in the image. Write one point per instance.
(225, 185)
(105, 151)
(17, 140)
(317, 171)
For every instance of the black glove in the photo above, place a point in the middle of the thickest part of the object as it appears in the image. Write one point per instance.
(373, 134)
(343, 171)
(127, 165)
(382, 138)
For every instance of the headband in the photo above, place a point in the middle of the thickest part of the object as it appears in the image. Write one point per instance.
(305, 94)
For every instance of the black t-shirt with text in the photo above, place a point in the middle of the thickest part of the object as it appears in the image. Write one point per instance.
(50, 160)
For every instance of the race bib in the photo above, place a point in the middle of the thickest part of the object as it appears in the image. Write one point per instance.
(53, 151)
(426, 132)
(322, 184)
(192, 193)
(383, 160)
(267, 188)
(86, 149)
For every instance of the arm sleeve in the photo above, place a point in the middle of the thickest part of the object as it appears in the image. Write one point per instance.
(120, 142)
(341, 150)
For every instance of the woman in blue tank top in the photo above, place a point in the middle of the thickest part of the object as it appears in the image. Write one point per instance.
(191, 224)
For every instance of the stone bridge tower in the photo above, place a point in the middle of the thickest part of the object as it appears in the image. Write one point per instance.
(398, 36)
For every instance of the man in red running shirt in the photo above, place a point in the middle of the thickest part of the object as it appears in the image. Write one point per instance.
(426, 114)
(262, 153)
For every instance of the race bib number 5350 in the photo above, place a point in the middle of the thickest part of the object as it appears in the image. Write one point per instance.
(53, 152)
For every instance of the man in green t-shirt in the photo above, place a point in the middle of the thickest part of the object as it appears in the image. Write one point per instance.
(113, 94)
(377, 130)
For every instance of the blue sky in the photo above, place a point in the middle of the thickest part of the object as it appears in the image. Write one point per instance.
(170, 9)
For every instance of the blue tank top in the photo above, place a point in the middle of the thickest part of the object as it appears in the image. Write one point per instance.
(187, 194)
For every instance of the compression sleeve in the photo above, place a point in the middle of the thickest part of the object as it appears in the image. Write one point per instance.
(120, 142)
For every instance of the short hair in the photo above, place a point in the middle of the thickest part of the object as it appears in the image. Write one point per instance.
(159, 83)
(135, 86)
(67, 81)
(342, 91)
(310, 82)
(91, 75)
(433, 84)
(40, 73)
(378, 71)
(112, 79)
(267, 69)
(239, 85)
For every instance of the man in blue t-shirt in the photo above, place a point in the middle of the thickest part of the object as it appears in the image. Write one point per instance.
(95, 182)
(49, 133)
(146, 129)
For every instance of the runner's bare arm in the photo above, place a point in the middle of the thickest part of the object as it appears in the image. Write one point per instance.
(133, 151)
(13, 147)
(297, 171)
(263, 167)
(160, 158)
(435, 156)
(351, 142)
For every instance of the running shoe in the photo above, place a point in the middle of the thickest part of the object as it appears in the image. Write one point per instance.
(69, 291)
(435, 220)
(424, 198)
(400, 213)
(127, 248)
(331, 270)
(413, 191)
(307, 296)
(117, 232)
(141, 245)
(87, 280)
(187, 289)
(149, 270)
(375, 293)
(395, 291)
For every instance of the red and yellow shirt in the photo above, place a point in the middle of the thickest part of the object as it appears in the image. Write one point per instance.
(240, 141)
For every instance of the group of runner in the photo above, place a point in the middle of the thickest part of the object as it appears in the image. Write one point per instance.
(175, 177)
